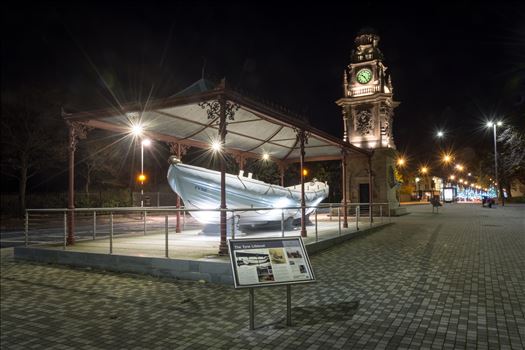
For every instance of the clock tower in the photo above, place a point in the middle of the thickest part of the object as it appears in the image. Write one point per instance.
(368, 111)
(368, 105)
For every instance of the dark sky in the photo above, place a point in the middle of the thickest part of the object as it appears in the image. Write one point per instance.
(451, 64)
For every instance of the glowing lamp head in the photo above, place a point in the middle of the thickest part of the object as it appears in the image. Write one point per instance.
(417, 179)
(401, 161)
(499, 123)
(424, 170)
(216, 146)
(440, 134)
(137, 129)
(490, 124)
(141, 177)
(146, 142)
(447, 158)
(452, 177)
(305, 172)
(266, 156)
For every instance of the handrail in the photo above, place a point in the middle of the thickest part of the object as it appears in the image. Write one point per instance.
(175, 209)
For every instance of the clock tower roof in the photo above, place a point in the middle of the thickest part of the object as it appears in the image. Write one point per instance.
(366, 46)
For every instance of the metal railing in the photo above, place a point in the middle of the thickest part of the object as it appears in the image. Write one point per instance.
(100, 223)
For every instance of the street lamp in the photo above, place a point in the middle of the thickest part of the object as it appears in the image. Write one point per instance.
(142, 177)
(493, 126)
(440, 134)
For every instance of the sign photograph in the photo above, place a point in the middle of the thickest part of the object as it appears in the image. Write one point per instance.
(259, 262)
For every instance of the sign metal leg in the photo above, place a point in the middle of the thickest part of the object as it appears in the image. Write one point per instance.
(289, 305)
(252, 309)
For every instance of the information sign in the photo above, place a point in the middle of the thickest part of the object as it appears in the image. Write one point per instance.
(258, 262)
(448, 194)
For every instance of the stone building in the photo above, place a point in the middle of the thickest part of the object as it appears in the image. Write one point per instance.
(368, 113)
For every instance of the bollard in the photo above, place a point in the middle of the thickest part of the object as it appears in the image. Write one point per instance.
(316, 233)
(65, 230)
(94, 224)
(145, 213)
(339, 219)
(389, 214)
(166, 231)
(357, 218)
(26, 229)
(111, 233)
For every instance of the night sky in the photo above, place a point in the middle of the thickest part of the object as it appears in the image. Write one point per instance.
(452, 65)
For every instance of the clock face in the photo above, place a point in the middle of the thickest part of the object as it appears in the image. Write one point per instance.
(364, 75)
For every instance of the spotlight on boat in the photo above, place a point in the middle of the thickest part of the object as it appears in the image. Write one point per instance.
(216, 146)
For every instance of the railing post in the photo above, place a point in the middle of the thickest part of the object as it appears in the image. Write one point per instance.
(111, 233)
(330, 212)
(339, 219)
(316, 232)
(282, 222)
(184, 219)
(381, 212)
(166, 232)
(370, 215)
(145, 213)
(357, 217)
(65, 230)
(233, 224)
(94, 224)
(26, 229)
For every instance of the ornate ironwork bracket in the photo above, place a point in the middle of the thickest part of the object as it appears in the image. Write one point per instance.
(77, 131)
(213, 108)
(178, 149)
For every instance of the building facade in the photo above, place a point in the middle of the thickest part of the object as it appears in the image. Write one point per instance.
(368, 115)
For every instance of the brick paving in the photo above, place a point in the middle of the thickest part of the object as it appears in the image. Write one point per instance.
(431, 281)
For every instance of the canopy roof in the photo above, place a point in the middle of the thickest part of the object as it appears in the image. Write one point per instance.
(256, 128)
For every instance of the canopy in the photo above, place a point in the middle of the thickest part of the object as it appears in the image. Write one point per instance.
(256, 128)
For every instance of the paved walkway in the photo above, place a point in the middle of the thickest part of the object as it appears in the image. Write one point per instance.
(450, 280)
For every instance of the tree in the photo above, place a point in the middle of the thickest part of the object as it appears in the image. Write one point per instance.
(511, 158)
(98, 161)
(31, 138)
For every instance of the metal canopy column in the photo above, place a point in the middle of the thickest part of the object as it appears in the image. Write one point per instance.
(224, 110)
(179, 150)
(223, 248)
(345, 209)
(370, 189)
(282, 167)
(303, 139)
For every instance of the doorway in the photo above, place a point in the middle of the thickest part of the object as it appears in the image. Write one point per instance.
(364, 196)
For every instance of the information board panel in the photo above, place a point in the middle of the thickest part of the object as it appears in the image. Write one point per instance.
(448, 194)
(259, 262)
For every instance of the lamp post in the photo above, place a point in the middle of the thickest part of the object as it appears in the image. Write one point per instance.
(142, 177)
(493, 125)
